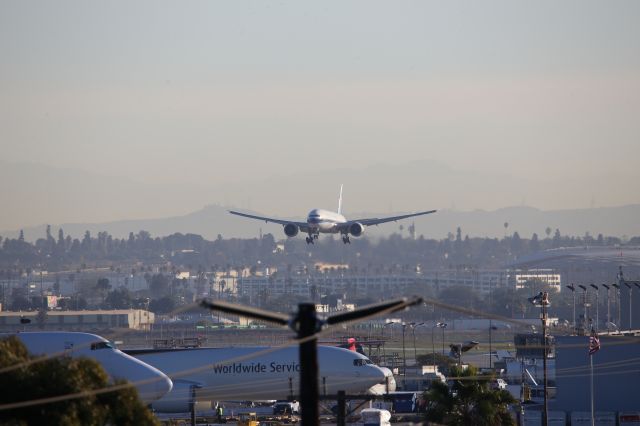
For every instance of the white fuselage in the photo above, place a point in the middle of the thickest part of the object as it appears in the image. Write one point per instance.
(260, 373)
(151, 383)
(324, 221)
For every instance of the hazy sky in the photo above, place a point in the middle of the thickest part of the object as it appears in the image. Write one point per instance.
(166, 92)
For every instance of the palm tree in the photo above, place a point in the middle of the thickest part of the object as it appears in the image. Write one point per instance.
(469, 401)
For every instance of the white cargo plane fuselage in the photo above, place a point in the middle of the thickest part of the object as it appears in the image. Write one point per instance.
(151, 383)
(328, 222)
(254, 373)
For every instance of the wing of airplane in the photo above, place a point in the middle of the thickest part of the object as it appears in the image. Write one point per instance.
(301, 225)
(378, 221)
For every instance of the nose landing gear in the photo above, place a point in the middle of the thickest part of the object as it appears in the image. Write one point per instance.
(345, 239)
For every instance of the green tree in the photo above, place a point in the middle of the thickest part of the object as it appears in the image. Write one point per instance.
(163, 305)
(64, 376)
(470, 401)
(159, 285)
(118, 299)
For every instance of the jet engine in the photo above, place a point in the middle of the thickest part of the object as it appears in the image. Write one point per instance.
(291, 230)
(356, 229)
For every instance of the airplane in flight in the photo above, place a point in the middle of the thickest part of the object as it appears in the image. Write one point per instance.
(253, 374)
(325, 221)
(151, 383)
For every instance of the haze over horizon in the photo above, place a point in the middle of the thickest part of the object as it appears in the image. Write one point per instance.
(121, 110)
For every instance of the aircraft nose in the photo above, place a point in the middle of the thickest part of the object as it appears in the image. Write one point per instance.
(154, 386)
(377, 373)
(163, 386)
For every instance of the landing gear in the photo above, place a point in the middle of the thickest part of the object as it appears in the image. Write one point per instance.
(309, 239)
(345, 239)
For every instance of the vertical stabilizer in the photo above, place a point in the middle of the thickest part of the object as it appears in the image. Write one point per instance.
(340, 201)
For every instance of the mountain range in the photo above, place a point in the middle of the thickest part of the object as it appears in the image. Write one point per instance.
(214, 219)
(79, 200)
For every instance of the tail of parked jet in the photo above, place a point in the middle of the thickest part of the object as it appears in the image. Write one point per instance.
(340, 200)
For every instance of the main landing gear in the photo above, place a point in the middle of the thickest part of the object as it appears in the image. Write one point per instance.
(345, 239)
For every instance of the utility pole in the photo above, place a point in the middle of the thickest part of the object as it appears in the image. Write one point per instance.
(306, 324)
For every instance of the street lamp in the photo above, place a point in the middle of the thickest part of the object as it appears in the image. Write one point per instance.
(384, 350)
(637, 285)
(441, 325)
(542, 300)
(404, 359)
(617, 287)
(597, 305)
(608, 306)
(630, 299)
(413, 330)
(585, 305)
(573, 292)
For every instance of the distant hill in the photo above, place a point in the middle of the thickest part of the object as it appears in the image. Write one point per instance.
(213, 220)
(35, 194)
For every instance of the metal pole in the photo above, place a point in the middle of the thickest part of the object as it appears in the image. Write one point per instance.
(308, 364)
(630, 306)
(490, 351)
(608, 306)
(597, 289)
(433, 347)
(592, 409)
(415, 352)
(342, 409)
(545, 416)
(444, 325)
(404, 360)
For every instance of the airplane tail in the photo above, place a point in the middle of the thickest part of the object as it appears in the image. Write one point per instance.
(340, 201)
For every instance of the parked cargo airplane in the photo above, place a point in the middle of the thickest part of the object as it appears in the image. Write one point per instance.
(325, 221)
(151, 383)
(258, 374)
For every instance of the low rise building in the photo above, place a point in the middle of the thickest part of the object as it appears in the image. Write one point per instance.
(135, 319)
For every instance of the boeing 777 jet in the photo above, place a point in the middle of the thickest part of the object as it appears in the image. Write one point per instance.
(325, 221)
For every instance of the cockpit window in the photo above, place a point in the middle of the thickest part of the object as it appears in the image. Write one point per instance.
(361, 362)
(101, 345)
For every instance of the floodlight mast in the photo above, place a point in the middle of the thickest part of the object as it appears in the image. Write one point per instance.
(542, 300)
(306, 324)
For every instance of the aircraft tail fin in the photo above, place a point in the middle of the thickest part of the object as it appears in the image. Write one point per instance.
(340, 201)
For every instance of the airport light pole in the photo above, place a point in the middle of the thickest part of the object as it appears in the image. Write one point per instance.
(630, 299)
(542, 300)
(413, 329)
(637, 285)
(597, 305)
(441, 325)
(617, 287)
(585, 305)
(384, 350)
(306, 324)
(573, 293)
(608, 306)
(404, 359)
